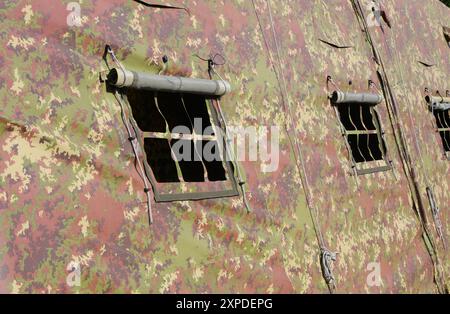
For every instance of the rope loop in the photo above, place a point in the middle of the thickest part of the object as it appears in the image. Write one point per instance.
(326, 259)
(132, 132)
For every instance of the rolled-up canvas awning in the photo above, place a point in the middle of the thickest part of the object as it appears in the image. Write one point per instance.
(438, 103)
(146, 81)
(339, 97)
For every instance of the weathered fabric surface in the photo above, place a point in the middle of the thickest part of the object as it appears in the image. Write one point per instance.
(69, 190)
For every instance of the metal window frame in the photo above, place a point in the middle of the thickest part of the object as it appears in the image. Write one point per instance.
(191, 196)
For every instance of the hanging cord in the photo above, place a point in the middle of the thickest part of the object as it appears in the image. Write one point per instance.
(439, 94)
(228, 149)
(436, 216)
(406, 160)
(110, 52)
(373, 86)
(401, 146)
(132, 135)
(326, 256)
(429, 188)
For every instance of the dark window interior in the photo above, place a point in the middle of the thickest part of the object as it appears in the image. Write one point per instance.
(365, 145)
(214, 167)
(197, 109)
(161, 113)
(356, 117)
(192, 170)
(443, 123)
(145, 112)
(376, 146)
(160, 160)
(172, 108)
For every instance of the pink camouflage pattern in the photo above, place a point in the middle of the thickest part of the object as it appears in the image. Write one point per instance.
(69, 190)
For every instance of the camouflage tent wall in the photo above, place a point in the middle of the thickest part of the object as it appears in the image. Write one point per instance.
(70, 192)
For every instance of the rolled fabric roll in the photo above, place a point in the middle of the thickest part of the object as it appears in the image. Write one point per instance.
(145, 81)
(438, 103)
(339, 97)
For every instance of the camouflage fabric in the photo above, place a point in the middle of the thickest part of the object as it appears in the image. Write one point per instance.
(69, 190)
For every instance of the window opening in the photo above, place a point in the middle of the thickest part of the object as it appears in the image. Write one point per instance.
(361, 127)
(173, 113)
(440, 107)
